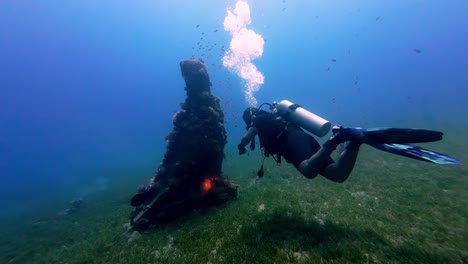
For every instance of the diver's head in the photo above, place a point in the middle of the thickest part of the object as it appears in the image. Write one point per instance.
(248, 115)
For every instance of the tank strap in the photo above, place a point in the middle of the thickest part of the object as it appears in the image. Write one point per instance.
(294, 106)
(291, 109)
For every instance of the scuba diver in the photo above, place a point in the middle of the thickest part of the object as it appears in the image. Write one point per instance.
(281, 134)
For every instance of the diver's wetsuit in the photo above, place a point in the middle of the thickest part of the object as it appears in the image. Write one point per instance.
(291, 142)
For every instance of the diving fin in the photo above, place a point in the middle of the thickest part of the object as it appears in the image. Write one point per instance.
(415, 152)
(398, 135)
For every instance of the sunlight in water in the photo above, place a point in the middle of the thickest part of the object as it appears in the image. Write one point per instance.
(246, 45)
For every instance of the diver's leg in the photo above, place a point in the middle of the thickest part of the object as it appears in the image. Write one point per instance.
(341, 169)
(311, 167)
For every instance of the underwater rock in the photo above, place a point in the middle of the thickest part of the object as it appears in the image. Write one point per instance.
(189, 175)
(63, 213)
(134, 237)
(75, 205)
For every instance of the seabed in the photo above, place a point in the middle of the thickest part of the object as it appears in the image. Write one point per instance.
(391, 210)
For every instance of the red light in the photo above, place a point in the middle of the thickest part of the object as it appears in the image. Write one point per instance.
(207, 185)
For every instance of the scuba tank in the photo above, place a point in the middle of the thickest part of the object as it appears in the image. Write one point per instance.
(303, 118)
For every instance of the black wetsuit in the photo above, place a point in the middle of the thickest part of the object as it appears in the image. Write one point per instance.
(289, 141)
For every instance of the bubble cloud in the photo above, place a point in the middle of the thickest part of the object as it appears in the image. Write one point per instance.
(246, 45)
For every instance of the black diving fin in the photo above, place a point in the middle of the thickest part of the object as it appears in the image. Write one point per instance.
(395, 141)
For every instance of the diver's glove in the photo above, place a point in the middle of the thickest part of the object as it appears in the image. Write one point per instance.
(242, 150)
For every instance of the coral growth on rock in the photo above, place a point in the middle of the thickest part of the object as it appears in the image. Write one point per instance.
(189, 175)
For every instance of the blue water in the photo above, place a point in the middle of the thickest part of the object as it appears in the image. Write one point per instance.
(88, 88)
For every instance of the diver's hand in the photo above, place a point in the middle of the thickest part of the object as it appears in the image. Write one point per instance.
(242, 150)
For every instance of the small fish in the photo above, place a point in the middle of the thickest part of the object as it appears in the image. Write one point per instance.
(334, 60)
(197, 26)
(417, 50)
(215, 30)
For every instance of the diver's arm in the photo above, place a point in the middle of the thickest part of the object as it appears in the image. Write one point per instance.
(249, 135)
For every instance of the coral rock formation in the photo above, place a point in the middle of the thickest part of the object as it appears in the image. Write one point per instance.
(189, 175)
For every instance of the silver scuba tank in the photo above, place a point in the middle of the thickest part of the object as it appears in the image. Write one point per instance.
(303, 118)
